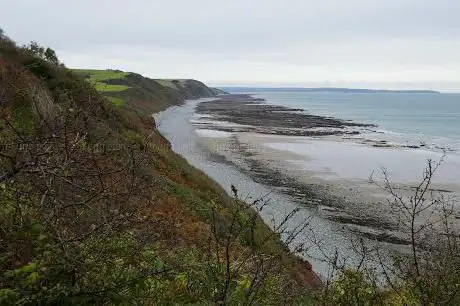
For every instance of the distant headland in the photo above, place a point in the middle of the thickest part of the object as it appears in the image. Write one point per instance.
(323, 89)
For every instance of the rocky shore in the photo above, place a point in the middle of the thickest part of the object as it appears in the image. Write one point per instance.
(249, 114)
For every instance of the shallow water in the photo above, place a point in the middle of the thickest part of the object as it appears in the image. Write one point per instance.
(409, 118)
(212, 133)
(349, 160)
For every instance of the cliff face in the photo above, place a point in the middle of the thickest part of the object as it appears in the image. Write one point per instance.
(188, 89)
(95, 208)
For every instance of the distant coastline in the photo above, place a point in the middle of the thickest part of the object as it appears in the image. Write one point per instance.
(322, 89)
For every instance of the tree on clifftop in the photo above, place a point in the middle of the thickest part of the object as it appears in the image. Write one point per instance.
(47, 54)
(50, 55)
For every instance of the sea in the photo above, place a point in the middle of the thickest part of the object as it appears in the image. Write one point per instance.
(413, 127)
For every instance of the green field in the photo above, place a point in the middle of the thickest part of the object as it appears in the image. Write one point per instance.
(98, 78)
(103, 87)
(101, 75)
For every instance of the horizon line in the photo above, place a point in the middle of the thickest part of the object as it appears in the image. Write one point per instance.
(332, 87)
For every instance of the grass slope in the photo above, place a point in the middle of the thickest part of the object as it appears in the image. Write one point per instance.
(99, 80)
(102, 87)
(116, 101)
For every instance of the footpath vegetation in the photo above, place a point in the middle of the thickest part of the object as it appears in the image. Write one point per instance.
(95, 208)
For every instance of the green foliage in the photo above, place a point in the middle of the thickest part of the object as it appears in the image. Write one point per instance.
(51, 56)
(36, 49)
(113, 269)
(24, 118)
(356, 288)
(192, 201)
(353, 288)
(47, 54)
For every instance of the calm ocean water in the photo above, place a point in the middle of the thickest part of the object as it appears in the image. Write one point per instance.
(410, 118)
(405, 121)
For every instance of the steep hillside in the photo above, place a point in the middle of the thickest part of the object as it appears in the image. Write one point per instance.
(142, 93)
(96, 209)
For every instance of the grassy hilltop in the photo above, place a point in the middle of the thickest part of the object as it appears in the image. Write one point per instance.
(137, 92)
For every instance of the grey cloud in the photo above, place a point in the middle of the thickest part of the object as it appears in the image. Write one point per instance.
(354, 34)
(227, 24)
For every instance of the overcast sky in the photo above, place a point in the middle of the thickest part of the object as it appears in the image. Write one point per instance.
(352, 43)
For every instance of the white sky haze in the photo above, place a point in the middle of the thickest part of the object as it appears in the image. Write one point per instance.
(413, 44)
